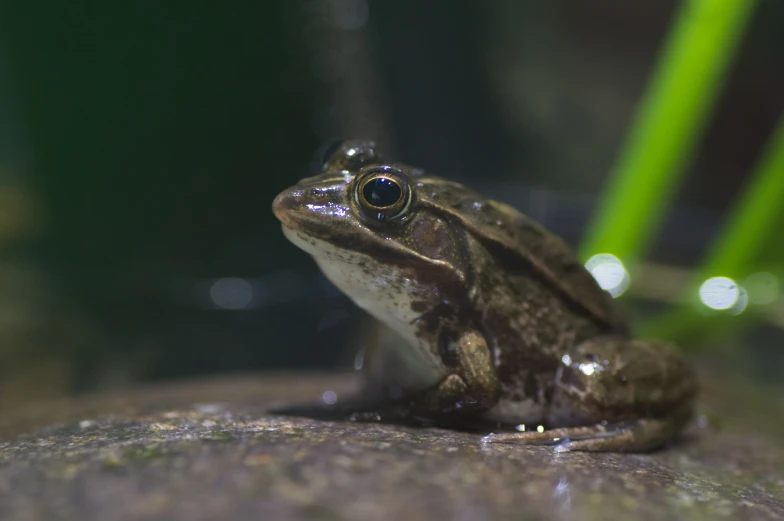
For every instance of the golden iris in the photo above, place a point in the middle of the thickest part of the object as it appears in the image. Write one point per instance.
(382, 194)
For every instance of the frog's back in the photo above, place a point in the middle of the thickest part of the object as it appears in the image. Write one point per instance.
(507, 232)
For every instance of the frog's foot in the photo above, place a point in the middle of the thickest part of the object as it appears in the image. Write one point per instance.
(630, 436)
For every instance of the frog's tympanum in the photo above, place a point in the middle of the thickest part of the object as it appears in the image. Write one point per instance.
(491, 317)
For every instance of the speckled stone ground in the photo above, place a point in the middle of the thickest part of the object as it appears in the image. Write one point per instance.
(209, 450)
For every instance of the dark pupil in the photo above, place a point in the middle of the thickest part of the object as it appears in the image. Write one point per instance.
(381, 192)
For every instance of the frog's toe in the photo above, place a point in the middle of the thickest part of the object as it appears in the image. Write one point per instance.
(562, 438)
(637, 435)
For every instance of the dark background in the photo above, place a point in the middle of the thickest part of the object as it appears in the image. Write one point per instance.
(141, 145)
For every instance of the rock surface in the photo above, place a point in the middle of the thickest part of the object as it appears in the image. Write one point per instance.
(209, 450)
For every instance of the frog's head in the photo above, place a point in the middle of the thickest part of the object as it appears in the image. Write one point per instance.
(354, 192)
(375, 230)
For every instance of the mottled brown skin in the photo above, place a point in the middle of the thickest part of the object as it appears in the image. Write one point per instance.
(511, 326)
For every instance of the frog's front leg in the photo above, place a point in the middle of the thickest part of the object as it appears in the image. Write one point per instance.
(615, 394)
(472, 385)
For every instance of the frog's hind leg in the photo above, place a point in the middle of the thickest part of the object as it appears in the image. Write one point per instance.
(615, 394)
(629, 436)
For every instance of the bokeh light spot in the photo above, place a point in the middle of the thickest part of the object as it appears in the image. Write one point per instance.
(609, 272)
(719, 293)
(329, 397)
(231, 293)
(741, 303)
(763, 288)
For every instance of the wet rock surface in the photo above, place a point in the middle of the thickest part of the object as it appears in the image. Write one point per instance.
(209, 450)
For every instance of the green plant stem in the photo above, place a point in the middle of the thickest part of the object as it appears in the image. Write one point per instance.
(670, 120)
(755, 216)
(750, 227)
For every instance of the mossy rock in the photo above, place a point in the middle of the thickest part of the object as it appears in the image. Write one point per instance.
(210, 450)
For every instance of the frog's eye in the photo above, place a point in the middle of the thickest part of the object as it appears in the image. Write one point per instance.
(382, 194)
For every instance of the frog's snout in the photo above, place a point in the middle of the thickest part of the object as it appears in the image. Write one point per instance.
(285, 204)
(295, 208)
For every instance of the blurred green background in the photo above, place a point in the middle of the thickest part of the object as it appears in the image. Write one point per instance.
(141, 146)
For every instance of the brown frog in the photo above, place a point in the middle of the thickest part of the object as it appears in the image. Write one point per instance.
(491, 317)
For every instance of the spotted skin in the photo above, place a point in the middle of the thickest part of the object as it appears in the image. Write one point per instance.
(493, 319)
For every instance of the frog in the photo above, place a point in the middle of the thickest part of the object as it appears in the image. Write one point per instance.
(490, 317)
